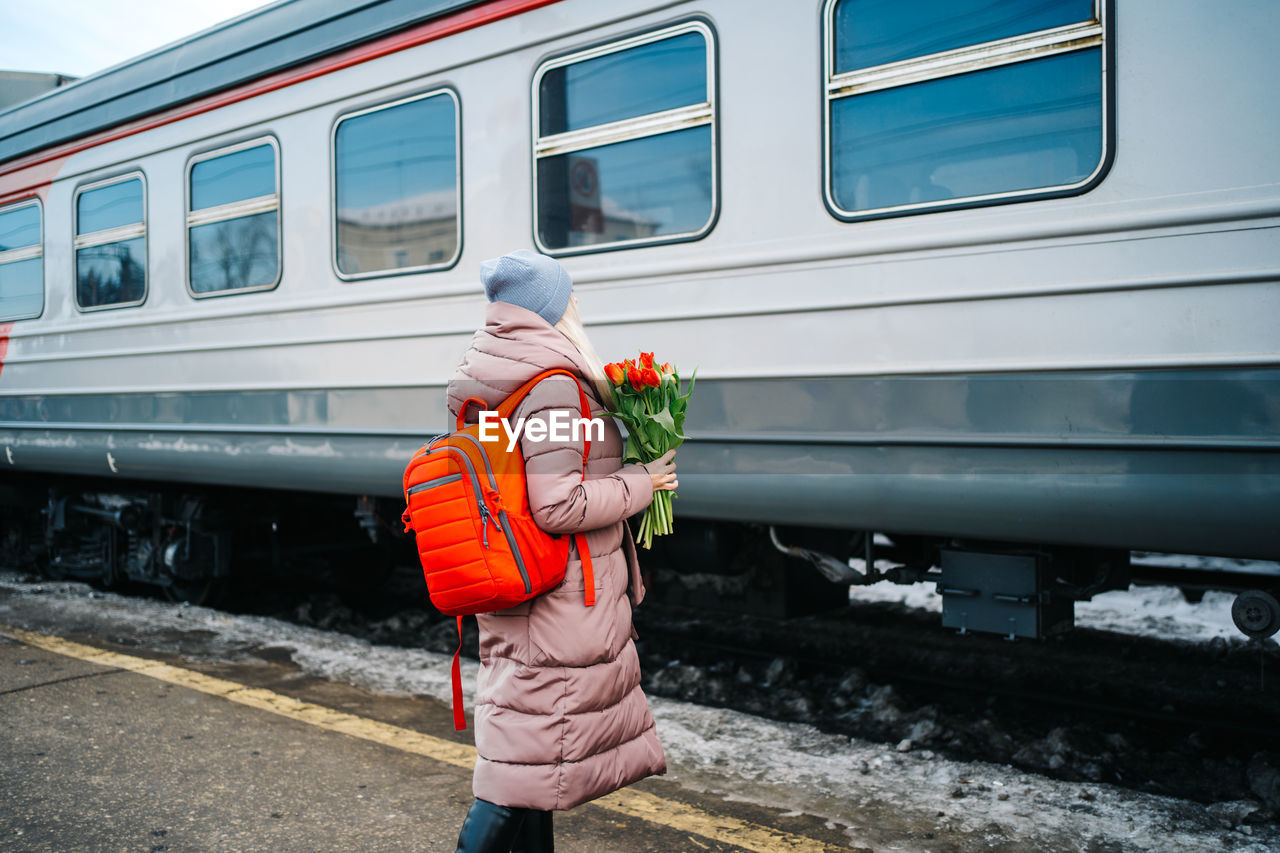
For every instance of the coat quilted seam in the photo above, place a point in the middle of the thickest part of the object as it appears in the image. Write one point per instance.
(564, 726)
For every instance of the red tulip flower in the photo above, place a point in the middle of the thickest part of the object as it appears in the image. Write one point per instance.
(651, 402)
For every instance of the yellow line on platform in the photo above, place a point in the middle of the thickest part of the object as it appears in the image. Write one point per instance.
(629, 802)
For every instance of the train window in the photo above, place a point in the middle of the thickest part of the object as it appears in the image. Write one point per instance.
(396, 179)
(21, 261)
(233, 219)
(949, 103)
(625, 142)
(111, 243)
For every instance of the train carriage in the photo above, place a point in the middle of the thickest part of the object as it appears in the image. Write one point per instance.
(998, 281)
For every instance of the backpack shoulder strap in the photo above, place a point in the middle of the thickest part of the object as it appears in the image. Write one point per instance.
(507, 406)
(588, 574)
(459, 716)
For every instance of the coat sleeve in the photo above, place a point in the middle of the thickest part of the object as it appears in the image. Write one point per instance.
(559, 499)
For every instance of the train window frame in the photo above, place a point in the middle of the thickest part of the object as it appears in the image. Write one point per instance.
(449, 263)
(234, 210)
(26, 253)
(1056, 41)
(704, 114)
(107, 236)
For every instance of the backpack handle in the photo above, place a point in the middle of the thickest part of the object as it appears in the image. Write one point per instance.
(462, 410)
(509, 405)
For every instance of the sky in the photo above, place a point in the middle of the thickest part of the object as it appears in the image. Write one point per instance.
(79, 37)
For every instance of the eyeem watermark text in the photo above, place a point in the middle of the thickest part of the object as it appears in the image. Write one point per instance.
(557, 427)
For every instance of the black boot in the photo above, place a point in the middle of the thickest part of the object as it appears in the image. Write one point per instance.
(489, 828)
(535, 834)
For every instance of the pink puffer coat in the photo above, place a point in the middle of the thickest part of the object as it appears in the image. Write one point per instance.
(560, 718)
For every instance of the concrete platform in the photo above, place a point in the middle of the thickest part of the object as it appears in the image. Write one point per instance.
(134, 750)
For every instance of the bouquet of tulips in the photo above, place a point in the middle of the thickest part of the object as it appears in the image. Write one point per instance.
(649, 401)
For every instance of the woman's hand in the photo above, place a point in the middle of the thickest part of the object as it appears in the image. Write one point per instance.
(662, 471)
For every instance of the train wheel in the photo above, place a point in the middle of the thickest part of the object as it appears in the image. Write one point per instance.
(1256, 613)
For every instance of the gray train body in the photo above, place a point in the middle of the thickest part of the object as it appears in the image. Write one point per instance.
(1095, 363)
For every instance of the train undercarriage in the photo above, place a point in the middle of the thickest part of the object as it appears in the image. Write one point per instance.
(190, 544)
(1011, 589)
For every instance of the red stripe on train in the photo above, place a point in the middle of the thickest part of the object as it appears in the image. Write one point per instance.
(421, 34)
(5, 328)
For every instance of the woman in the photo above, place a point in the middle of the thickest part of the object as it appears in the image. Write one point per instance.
(560, 718)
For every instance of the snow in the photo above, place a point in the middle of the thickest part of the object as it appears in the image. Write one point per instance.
(882, 797)
(1160, 611)
(1149, 611)
(1195, 561)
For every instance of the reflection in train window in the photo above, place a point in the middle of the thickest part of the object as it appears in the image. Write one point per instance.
(111, 243)
(233, 219)
(948, 102)
(625, 142)
(21, 261)
(396, 197)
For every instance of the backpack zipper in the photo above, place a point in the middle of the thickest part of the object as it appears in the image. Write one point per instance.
(485, 515)
(429, 446)
(431, 484)
(505, 526)
(485, 518)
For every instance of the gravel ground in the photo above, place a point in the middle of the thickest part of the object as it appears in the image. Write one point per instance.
(884, 796)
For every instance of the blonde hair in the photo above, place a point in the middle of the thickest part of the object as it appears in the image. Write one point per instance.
(570, 325)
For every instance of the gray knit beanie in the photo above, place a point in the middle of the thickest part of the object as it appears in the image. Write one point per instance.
(529, 280)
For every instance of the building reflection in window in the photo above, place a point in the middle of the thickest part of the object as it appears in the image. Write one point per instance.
(626, 141)
(936, 102)
(396, 186)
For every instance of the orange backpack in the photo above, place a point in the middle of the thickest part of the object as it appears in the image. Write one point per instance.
(467, 502)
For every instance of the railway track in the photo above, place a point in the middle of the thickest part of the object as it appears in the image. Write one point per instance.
(1193, 720)
(933, 682)
(1174, 717)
